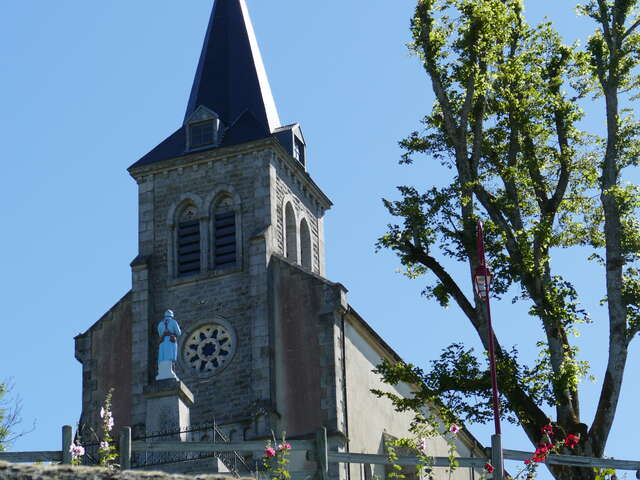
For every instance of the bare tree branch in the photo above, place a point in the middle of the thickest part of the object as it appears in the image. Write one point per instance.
(11, 415)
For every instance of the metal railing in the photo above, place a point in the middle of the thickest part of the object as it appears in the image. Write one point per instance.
(319, 451)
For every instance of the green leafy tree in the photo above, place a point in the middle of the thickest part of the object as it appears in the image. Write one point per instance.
(506, 122)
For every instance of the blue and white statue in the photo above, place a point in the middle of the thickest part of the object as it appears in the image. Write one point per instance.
(169, 331)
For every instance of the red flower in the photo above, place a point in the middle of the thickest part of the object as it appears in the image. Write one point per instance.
(541, 453)
(548, 429)
(488, 467)
(571, 440)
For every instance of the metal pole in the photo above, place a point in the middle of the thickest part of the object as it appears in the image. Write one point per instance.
(67, 434)
(492, 352)
(496, 440)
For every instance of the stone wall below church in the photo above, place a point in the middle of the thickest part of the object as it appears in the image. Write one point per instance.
(11, 471)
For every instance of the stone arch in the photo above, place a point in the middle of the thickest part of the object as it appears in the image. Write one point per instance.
(183, 201)
(224, 209)
(290, 232)
(220, 190)
(306, 247)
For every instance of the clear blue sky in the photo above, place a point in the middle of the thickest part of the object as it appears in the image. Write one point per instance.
(86, 88)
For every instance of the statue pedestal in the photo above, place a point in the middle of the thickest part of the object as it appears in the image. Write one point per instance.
(165, 371)
(168, 409)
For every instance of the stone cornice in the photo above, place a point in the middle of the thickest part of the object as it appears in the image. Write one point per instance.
(197, 159)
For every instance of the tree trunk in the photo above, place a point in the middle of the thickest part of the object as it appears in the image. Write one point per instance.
(561, 472)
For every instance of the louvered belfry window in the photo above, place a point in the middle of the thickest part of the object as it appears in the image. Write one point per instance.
(224, 242)
(188, 243)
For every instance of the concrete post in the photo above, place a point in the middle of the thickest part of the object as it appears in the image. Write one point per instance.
(125, 448)
(496, 457)
(67, 434)
(322, 453)
(169, 403)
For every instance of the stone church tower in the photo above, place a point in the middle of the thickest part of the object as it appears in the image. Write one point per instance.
(231, 238)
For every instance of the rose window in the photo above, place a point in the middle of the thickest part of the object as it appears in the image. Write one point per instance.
(209, 348)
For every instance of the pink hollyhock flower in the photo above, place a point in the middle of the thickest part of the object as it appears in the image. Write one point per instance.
(107, 419)
(269, 452)
(454, 429)
(76, 450)
(284, 446)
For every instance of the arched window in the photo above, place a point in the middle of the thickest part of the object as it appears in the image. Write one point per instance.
(305, 245)
(225, 244)
(291, 234)
(188, 242)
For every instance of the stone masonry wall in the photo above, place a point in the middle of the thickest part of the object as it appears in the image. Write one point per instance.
(257, 177)
(105, 353)
(306, 310)
(288, 186)
(235, 297)
(10, 471)
(307, 317)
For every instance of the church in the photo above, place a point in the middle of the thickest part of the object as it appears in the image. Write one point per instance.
(231, 240)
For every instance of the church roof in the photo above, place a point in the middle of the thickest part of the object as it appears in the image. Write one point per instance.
(246, 128)
(231, 77)
(230, 80)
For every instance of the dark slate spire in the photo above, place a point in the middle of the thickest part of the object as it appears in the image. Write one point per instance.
(230, 81)
(231, 78)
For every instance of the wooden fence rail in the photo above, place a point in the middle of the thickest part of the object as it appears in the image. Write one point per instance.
(376, 459)
(30, 457)
(574, 461)
(63, 455)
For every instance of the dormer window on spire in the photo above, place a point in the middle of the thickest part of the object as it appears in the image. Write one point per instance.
(291, 138)
(203, 129)
(202, 134)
